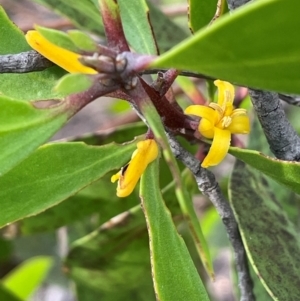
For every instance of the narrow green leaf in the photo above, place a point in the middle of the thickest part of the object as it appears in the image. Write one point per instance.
(201, 13)
(53, 173)
(271, 240)
(186, 204)
(137, 27)
(73, 83)
(182, 195)
(7, 295)
(242, 49)
(28, 276)
(23, 128)
(83, 14)
(284, 172)
(174, 273)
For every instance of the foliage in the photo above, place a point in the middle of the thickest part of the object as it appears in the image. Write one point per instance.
(148, 242)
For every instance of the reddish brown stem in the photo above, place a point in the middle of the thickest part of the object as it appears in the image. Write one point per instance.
(113, 25)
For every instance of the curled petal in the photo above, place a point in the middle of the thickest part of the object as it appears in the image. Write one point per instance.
(240, 124)
(146, 152)
(218, 149)
(226, 93)
(202, 111)
(64, 58)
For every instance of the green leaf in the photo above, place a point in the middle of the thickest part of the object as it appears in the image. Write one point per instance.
(284, 172)
(242, 49)
(201, 13)
(73, 83)
(289, 200)
(115, 255)
(99, 197)
(53, 173)
(31, 86)
(271, 240)
(169, 255)
(7, 295)
(23, 128)
(82, 40)
(27, 277)
(83, 14)
(138, 30)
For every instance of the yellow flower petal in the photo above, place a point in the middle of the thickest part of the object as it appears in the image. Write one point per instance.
(146, 152)
(240, 124)
(202, 111)
(64, 58)
(206, 128)
(225, 93)
(218, 149)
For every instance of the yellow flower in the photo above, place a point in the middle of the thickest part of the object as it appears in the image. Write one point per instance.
(128, 176)
(219, 121)
(64, 58)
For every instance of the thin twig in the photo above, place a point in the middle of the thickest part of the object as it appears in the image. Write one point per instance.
(181, 72)
(283, 139)
(31, 61)
(208, 185)
(293, 100)
(23, 62)
(233, 4)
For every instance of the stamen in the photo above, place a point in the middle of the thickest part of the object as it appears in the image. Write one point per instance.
(238, 112)
(226, 121)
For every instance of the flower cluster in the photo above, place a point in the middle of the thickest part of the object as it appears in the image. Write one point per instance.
(218, 121)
